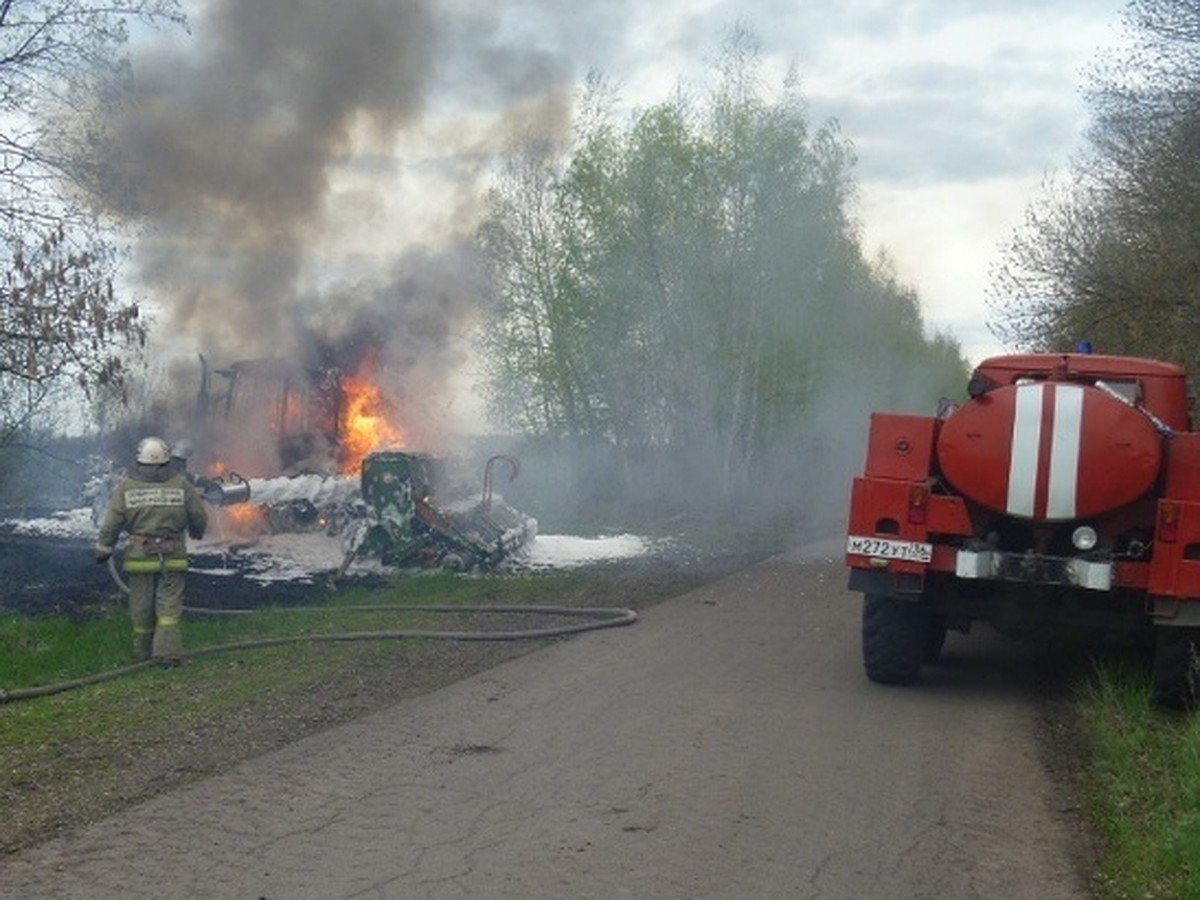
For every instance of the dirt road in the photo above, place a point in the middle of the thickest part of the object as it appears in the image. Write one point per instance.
(726, 746)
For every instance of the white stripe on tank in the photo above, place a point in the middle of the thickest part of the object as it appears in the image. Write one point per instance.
(1064, 451)
(1023, 462)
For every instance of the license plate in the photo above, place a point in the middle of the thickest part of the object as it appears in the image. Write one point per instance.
(888, 548)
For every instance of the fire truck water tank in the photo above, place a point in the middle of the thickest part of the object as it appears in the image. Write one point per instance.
(1050, 451)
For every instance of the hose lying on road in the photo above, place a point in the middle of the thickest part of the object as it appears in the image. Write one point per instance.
(597, 618)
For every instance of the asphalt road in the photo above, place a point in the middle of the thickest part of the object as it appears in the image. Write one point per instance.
(726, 746)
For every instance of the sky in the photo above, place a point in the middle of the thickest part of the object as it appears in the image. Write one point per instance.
(958, 109)
(308, 169)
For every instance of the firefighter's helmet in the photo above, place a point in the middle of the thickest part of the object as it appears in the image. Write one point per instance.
(181, 449)
(153, 451)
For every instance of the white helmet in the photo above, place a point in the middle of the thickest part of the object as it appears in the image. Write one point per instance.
(153, 451)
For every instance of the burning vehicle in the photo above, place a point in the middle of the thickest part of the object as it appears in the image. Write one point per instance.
(276, 414)
(402, 525)
(324, 455)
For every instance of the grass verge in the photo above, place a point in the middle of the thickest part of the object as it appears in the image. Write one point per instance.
(45, 649)
(71, 757)
(74, 757)
(1143, 787)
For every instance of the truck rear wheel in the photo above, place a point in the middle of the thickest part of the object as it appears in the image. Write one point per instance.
(1176, 676)
(895, 639)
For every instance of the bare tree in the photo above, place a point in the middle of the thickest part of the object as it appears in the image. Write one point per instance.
(61, 320)
(1111, 252)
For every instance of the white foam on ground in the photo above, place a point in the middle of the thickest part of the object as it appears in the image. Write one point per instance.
(70, 523)
(564, 551)
(300, 556)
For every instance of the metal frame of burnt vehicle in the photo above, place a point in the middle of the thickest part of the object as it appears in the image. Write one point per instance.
(302, 407)
(396, 517)
(402, 526)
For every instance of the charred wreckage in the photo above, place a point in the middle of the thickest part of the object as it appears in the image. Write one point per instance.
(339, 472)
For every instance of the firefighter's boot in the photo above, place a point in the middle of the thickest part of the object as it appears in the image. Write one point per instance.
(168, 631)
(141, 614)
(143, 643)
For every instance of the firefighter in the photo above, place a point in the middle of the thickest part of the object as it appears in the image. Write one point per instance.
(160, 509)
(181, 452)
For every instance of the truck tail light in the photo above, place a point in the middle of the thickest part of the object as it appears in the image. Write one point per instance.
(918, 502)
(1168, 521)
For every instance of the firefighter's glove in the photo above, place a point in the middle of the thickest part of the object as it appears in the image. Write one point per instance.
(210, 490)
(195, 533)
(102, 557)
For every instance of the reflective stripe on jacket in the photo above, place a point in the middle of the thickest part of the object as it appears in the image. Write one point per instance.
(156, 553)
(152, 564)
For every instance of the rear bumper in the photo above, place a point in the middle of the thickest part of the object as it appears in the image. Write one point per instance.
(982, 566)
(1033, 568)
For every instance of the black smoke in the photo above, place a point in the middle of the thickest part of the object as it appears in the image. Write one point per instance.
(250, 151)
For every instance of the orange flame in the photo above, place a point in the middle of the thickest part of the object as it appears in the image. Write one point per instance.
(365, 426)
(246, 519)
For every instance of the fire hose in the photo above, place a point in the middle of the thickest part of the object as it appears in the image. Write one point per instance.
(596, 618)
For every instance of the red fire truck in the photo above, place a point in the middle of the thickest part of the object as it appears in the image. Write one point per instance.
(1065, 490)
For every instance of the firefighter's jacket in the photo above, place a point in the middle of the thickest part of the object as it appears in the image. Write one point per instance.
(159, 508)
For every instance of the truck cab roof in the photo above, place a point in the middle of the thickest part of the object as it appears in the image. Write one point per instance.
(1083, 366)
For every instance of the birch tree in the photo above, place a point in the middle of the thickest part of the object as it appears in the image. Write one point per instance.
(695, 277)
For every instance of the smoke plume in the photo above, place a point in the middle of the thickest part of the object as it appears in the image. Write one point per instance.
(299, 194)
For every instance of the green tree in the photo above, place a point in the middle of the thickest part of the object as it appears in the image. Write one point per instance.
(535, 384)
(686, 286)
(61, 321)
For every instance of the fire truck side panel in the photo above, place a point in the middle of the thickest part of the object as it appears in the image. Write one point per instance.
(1183, 467)
(1175, 566)
(880, 508)
(893, 498)
(900, 446)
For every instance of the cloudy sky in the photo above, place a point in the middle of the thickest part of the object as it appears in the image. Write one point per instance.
(958, 109)
(302, 164)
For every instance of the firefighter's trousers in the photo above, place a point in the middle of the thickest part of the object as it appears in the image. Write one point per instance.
(156, 610)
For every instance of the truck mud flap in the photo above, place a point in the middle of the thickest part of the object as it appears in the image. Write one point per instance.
(877, 581)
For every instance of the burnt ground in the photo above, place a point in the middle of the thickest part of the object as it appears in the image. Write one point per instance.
(50, 576)
(81, 779)
(41, 575)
